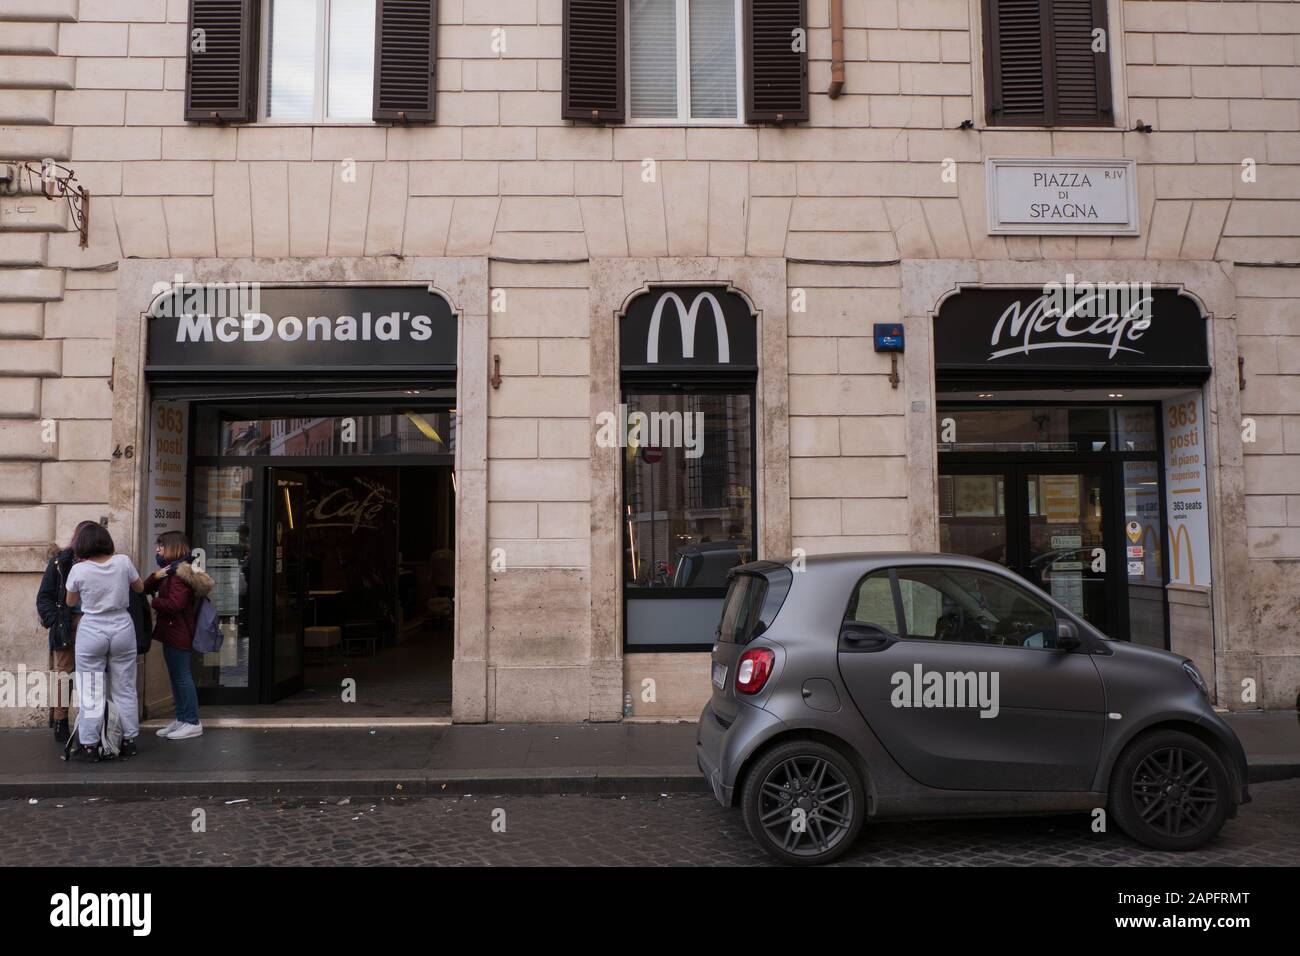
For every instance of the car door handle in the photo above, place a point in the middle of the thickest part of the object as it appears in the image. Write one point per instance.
(862, 642)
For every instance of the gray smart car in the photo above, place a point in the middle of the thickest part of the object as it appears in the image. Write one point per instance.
(866, 686)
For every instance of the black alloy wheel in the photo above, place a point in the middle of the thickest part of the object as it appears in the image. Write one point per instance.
(803, 803)
(1170, 791)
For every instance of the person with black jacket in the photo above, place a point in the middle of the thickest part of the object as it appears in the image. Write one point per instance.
(61, 621)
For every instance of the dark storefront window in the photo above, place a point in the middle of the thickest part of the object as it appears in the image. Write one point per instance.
(234, 434)
(688, 505)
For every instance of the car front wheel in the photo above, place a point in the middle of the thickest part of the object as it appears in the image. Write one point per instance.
(804, 803)
(1170, 791)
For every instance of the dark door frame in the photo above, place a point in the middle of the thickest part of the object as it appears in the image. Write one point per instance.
(260, 676)
(272, 690)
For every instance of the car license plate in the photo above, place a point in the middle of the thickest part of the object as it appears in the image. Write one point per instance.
(719, 676)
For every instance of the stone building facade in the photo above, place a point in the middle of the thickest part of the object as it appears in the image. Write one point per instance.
(541, 231)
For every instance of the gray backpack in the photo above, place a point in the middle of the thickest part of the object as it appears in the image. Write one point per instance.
(207, 628)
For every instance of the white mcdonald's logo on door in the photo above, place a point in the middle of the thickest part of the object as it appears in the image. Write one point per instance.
(686, 319)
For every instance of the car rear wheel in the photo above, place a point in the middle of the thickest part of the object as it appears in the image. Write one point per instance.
(804, 803)
(1170, 791)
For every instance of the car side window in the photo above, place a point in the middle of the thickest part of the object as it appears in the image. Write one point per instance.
(970, 607)
(873, 603)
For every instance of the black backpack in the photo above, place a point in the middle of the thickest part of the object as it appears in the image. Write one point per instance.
(142, 617)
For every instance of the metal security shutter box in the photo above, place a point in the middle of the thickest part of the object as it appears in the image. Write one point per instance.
(406, 61)
(221, 76)
(776, 71)
(1039, 65)
(594, 61)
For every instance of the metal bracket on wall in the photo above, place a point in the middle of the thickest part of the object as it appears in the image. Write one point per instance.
(1241, 373)
(893, 370)
(496, 371)
(56, 182)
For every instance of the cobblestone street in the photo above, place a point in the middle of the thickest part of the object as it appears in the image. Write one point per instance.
(572, 830)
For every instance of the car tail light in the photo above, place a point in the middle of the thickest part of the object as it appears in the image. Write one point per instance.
(753, 670)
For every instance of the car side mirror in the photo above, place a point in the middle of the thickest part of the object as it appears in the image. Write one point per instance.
(1067, 636)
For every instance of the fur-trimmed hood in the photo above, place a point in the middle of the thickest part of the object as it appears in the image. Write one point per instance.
(197, 581)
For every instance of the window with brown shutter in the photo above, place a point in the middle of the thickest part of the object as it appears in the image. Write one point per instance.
(406, 38)
(594, 74)
(221, 62)
(1039, 65)
(776, 80)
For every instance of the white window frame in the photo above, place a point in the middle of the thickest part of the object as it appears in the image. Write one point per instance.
(683, 117)
(320, 106)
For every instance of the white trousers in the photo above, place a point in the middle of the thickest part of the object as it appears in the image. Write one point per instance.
(106, 646)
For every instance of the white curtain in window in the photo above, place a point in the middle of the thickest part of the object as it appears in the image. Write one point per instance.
(291, 65)
(351, 59)
(652, 30)
(713, 59)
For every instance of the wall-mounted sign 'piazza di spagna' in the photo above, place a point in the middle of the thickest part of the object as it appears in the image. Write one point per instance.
(1035, 197)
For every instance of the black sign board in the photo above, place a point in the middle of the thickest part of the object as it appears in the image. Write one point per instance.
(703, 328)
(1072, 334)
(202, 329)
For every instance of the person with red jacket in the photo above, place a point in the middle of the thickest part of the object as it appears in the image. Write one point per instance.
(177, 587)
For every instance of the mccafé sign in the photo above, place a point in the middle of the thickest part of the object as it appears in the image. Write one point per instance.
(300, 328)
(689, 327)
(1119, 328)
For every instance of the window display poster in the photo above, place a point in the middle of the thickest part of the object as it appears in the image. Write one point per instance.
(1067, 588)
(975, 496)
(1060, 498)
(1185, 490)
(168, 456)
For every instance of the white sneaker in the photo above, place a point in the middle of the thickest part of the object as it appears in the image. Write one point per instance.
(170, 729)
(185, 731)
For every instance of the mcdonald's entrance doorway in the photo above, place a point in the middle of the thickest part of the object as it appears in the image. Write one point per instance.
(1074, 495)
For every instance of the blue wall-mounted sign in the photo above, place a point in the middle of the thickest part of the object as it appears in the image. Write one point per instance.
(889, 336)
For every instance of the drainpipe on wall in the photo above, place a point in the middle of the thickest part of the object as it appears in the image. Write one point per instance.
(837, 49)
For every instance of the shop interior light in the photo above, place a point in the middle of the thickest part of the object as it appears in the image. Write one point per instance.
(631, 537)
(420, 422)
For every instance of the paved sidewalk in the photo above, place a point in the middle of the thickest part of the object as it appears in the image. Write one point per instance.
(464, 758)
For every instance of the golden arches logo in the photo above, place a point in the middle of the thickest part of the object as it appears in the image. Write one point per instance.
(1179, 535)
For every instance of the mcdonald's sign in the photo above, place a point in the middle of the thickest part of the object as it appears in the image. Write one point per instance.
(689, 327)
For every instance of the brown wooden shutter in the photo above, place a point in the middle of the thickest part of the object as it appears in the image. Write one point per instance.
(776, 74)
(406, 60)
(221, 81)
(595, 77)
(1082, 78)
(1039, 67)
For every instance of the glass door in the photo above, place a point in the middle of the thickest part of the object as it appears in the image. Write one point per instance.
(222, 513)
(287, 540)
(1065, 534)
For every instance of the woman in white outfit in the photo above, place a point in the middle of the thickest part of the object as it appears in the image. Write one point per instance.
(101, 582)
